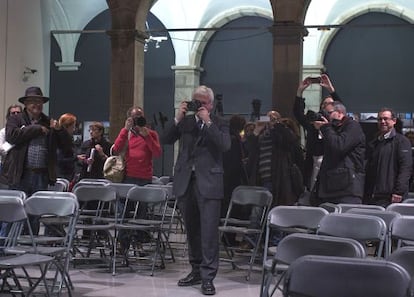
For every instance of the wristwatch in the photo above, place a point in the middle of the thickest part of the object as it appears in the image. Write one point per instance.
(209, 123)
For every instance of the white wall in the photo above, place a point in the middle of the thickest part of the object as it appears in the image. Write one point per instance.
(21, 45)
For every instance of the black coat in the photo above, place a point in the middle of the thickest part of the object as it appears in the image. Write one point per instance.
(286, 151)
(66, 156)
(98, 162)
(389, 167)
(19, 132)
(314, 144)
(344, 147)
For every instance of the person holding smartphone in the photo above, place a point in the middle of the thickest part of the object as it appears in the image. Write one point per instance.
(314, 143)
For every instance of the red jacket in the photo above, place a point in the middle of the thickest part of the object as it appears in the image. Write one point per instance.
(141, 150)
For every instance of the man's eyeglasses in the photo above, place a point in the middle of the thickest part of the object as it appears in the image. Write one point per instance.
(15, 112)
(384, 119)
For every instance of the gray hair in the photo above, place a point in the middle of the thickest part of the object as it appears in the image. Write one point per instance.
(338, 106)
(204, 91)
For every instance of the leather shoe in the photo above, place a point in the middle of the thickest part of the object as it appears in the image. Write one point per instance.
(207, 288)
(193, 278)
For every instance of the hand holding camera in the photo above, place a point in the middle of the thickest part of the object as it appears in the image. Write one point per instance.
(193, 105)
(326, 83)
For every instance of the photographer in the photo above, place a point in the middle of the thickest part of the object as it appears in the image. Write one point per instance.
(314, 144)
(142, 146)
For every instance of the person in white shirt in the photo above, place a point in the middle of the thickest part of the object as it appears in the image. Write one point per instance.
(4, 145)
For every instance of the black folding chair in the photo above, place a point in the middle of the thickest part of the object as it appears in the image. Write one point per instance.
(324, 276)
(297, 245)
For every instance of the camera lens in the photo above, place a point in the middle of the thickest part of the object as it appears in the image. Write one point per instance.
(140, 121)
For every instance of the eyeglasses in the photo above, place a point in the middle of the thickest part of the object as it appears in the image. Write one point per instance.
(380, 119)
(15, 112)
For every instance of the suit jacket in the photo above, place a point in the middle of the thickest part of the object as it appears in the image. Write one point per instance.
(201, 151)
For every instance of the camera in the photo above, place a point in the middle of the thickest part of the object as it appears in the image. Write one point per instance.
(315, 80)
(193, 105)
(312, 116)
(140, 121)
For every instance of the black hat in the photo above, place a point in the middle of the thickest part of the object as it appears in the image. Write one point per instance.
(33, 92)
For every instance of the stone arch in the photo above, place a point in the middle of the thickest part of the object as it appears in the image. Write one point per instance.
(221, 19)
(326, 38)
(62, 20)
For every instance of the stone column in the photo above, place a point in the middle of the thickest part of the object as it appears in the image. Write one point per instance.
(187, 78)
(288, 32)
(287, 64)
(122, 78)
(127, 58)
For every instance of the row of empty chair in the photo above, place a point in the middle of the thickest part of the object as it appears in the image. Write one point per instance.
(360, 223)
(63, 223)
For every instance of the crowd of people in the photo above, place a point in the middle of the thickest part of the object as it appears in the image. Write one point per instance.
(337, 163)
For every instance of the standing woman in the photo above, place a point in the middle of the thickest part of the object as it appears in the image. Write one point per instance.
(97, 159)
(66, 156)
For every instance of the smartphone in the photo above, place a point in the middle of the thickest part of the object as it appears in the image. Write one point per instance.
(315, 80)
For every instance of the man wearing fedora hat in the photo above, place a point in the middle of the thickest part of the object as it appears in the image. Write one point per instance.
(30, 164)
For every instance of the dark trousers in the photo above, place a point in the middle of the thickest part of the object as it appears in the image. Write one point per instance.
(201, 220)
(30, 183)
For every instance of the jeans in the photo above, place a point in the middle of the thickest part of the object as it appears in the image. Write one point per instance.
(30, 183)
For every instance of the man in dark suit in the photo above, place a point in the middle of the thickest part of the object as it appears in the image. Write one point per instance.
(198, 182)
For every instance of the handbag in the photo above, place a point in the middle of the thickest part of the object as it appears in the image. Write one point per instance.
(114, 166)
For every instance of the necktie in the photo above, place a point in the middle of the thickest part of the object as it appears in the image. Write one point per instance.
(200, 124)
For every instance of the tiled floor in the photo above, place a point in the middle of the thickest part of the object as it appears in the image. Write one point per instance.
(100, 282)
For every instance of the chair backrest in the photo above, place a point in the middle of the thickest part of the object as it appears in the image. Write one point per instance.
(404, 256)
(165, 179)
(296, 245)
(12, 193)
(387, 215)
(147, 194)
(91, 192)
(346, 207)
(330, 207)
(122, 189)
(57, 206)
(324, 276)
(359, 227)
(54, 194)
(356, 226)
(305, 217)
(61, 185)
(402, 228)
(152, 196)
(92, 182)
(167, 187)
(255, 196)
(12, 211)
(406, 209)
